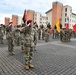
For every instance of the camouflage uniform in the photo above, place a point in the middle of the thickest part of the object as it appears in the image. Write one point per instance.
(10, 43)
(22, 40)
(39, 34)
(1, 35)
(34, 34)
(17, 37)
(47, 35)
(43, 34)
(29, 48)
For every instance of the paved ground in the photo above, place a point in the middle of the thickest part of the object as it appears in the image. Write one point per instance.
(52, 58)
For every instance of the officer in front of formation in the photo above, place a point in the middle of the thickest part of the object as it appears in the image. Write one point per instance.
(29, 45)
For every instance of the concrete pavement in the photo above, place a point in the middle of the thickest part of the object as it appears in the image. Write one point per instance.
(52, 58)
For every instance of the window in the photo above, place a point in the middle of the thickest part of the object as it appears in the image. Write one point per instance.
(46, 18)
(65, 19)
(70, 10)
(40, 18)
(65, 9)
(65, 14)
(65, 24)
(70, 20)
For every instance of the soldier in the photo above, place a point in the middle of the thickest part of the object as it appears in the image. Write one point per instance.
(8, 28)
(10, 38)
(29, 46)
(47, 35)
(43, 33)
(1, 35)
(22, 39)
(34, 33)
(17, 37)
(39, 33)
(10, 43)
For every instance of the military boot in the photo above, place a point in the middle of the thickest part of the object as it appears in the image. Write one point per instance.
(26, 67)
(31, 66)
(13, 53)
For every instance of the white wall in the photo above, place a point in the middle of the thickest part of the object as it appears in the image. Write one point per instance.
(19, 20)
(49, 15)
(68, 12)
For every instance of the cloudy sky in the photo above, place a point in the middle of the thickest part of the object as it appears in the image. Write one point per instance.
(17, 7)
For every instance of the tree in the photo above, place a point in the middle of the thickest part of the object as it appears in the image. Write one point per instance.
(48, 25)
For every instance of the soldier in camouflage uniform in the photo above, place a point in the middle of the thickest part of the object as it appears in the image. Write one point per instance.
(17, 37)
(34, 34)
(29, 46)
(10, 38)
(22, 39)
(43, 33)
(1, 35)
(47, 34)
(10, 43)
(39, 33)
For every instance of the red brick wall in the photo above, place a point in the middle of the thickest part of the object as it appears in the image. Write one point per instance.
(15, 20)
(56, 13)
(7, 20)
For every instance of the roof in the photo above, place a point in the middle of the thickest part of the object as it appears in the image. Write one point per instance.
(48, 11)
(74, 14)
(67, 6)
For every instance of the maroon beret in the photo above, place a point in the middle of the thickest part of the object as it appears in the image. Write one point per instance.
(29, 21)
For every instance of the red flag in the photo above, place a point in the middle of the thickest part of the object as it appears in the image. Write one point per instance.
(67, 26)
(25, 16)
(67, 23)
(74, 28)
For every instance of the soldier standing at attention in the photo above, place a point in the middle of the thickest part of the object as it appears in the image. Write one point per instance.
(39, 33)
(29, 46)
(43, 33)
(10, 39)
(22, 40)
(1, 35)
(47, 34)
(10, 43)
(34, 34)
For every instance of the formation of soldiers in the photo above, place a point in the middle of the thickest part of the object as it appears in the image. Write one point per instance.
(27, 37)
(64, 35)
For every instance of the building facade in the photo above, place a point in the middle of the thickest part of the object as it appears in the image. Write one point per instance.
(30, 15)
(66, 15)
(7, 20)
(19, 20)
(56, 12)
(61, 12)
(49, 17)
(44, 20)
(39, 19)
